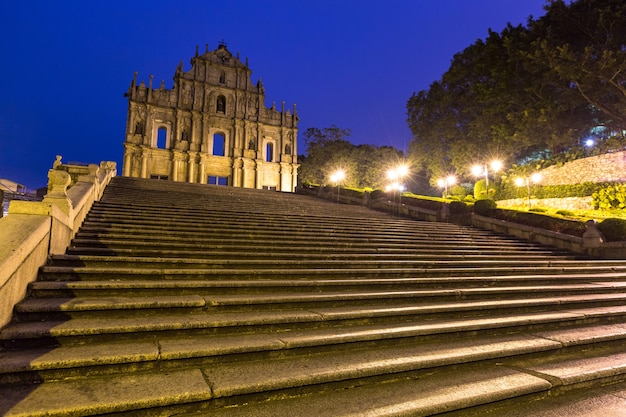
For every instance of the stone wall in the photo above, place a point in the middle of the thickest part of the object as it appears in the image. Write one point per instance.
(609, 167)
(568, 203)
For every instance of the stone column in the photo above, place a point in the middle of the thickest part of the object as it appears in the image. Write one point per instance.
(237, 173)
(192, 167)
(145, 156)
(128, 159)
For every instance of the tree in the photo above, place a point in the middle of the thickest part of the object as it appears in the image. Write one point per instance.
(525, 91)
(584, 43)
(329, 151)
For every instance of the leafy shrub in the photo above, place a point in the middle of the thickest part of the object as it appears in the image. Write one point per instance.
(376, 194)
(457, 207)
(484, 207)
(565, 212)
(611, 197)
(613, 229)
(538, 209)
(353, 192)
(510, 191)
(458, 191)
(480, 190)
(430, 203)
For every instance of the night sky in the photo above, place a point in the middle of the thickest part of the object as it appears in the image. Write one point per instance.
(353, 63)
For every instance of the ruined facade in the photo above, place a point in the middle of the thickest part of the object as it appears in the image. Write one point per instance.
(211, 127)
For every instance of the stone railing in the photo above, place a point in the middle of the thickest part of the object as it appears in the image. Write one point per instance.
(33, 230)
(591, 243)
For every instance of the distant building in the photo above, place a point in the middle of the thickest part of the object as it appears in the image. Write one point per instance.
(211, 127)
(11, 190)
(12, 187)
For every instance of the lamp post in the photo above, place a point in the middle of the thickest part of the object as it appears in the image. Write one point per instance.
(483, 169)
(535, 178)
(445, 183)
(396, 175)
(337, 177)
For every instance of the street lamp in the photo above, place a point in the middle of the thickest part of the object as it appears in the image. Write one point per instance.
(337, 177)
(483, 169)
(534, 178)
(445, 183)
(395, 175)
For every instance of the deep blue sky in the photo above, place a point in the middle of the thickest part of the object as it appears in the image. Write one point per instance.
(352, 63)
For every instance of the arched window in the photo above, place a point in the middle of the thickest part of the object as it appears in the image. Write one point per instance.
(269, 152)
(222, 77)
(219, 142)
(161, 137)
(221, 104)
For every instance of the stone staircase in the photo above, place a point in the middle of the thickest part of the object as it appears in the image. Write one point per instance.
(196, 300)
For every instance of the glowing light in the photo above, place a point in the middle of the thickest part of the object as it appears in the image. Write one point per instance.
(338, 176)
(445, 183)
(536, 177)
(478, 170)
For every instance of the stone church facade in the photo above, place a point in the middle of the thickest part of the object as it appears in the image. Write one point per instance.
(211, 127)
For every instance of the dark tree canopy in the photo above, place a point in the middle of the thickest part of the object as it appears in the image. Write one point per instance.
(328, 150)
(525, 90)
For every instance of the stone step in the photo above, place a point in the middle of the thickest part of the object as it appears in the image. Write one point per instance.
(354, 375)
(430, 393)
(110, 211)
(308, 244)
(48, 362)
(297, 270)
(271, 223)
(255, 232)
(454, 287)
(365, 324)
(244, 251)
(336, 305)
(306, 261)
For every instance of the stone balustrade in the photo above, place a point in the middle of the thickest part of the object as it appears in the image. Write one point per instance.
(33, 230)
